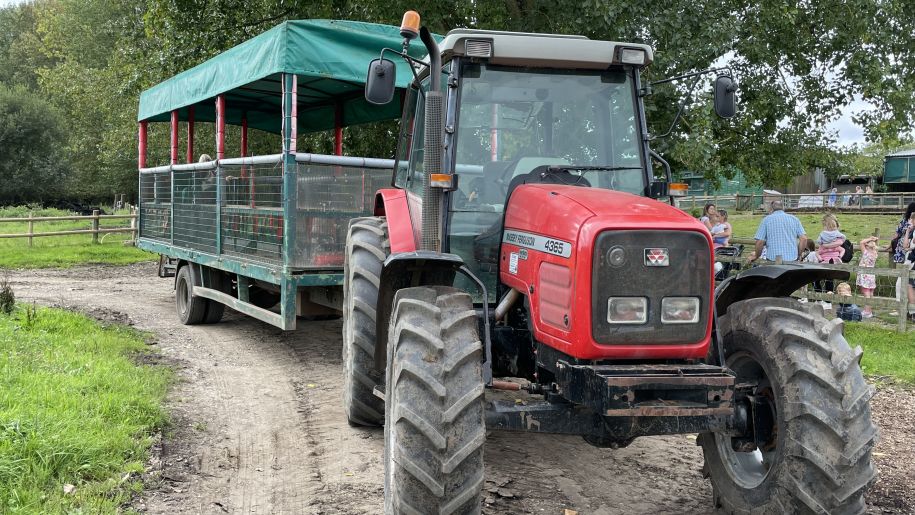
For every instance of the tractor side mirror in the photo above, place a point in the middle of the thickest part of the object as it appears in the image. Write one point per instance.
(379, 82)
(725, 96)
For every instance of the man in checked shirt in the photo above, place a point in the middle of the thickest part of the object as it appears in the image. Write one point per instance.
(780, 234)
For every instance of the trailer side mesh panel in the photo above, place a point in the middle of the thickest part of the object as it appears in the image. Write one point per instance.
(156, 205)
(328, 197)
(195, 209)
(252, 212)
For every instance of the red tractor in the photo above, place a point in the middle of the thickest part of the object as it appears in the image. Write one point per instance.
(522, 240)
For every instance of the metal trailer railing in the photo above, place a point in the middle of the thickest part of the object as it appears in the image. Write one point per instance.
(264, 218)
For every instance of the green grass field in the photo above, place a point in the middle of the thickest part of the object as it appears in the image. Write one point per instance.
(63, 251)
(856, 227)
(75, 409)
(886, 352)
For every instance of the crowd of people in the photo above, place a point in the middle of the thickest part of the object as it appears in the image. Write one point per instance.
(781, 238)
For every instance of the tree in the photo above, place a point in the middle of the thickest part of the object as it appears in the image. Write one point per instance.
(31, 137)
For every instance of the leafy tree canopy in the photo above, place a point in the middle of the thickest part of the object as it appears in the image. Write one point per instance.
(30, 138)
(798, 65)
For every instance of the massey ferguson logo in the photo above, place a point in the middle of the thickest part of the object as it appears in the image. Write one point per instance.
(657, 257)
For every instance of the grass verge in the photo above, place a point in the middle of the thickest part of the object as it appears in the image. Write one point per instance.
(886, 352)
(75, 409)
(63, 251)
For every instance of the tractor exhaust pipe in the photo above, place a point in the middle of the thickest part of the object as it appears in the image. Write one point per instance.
(432, 159)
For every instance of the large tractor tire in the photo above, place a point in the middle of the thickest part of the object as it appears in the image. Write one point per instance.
(191, 309)
(434, 427)
(367, 247)
(817, 457)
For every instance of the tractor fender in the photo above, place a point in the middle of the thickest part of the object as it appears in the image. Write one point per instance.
(770, 281)
(407, 270)
(391, 203)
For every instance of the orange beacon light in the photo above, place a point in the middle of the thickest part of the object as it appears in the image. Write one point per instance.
(409, 27)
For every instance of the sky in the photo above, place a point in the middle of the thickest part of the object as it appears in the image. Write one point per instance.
(848, 132)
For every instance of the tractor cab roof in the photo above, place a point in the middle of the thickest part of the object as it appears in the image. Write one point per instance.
(539, 50)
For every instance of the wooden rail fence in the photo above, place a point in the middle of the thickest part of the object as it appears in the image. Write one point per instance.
(95, 218)
(900, 304)
(805, 202)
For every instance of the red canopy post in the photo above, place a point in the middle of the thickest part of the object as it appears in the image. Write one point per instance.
(174, 138)
(338, 129)
(244, 136)
(141, 147)
(190, 134)
(220, 127)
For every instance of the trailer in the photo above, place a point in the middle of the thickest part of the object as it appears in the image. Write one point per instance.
(254, 232)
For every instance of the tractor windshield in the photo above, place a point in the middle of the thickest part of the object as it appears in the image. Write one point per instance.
(512, 120)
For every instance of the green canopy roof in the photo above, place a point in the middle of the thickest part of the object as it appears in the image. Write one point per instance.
(329, 57)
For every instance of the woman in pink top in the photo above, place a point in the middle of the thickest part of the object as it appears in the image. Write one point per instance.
(830, 241)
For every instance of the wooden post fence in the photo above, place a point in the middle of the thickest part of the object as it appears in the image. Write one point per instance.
(95, 226)
(31, 228)
(95, 220)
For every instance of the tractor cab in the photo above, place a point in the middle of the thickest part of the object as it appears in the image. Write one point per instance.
(517, 111)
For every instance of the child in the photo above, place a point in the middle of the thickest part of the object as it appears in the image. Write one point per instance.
(847, 311)
(867, 282)
(810, 254)
(830, 241)
(721, 231)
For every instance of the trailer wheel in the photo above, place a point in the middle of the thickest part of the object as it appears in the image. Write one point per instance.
(434, 420)
(816, 425)
(215, 310)
(367, 247)
(191, 310)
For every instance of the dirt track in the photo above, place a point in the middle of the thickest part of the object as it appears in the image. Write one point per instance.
(258, 425)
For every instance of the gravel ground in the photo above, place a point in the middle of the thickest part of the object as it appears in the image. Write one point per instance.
(258, 425)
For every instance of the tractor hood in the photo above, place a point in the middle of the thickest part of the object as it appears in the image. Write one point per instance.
(555, 246)
(561, 210)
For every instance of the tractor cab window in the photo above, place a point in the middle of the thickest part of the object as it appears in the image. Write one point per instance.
(412, 103)
(512, 120)
(410, 173)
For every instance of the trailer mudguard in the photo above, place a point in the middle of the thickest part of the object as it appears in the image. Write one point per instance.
(407, 270)
(392, 204)
(771, 281)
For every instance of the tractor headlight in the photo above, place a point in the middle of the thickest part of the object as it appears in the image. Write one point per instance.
(627, 310)
(679, 310)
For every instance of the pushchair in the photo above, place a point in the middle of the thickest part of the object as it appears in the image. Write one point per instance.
(724, 268)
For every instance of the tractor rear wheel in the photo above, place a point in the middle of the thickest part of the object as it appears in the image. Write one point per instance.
(367, 247)
(434, 421)
(815, 455)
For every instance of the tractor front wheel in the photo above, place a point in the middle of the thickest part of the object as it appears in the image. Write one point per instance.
(814, 431)
(434, 421)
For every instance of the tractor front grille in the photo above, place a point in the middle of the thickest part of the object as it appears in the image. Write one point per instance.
(687, 274)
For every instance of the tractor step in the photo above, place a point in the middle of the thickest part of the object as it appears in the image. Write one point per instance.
(649, 390)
